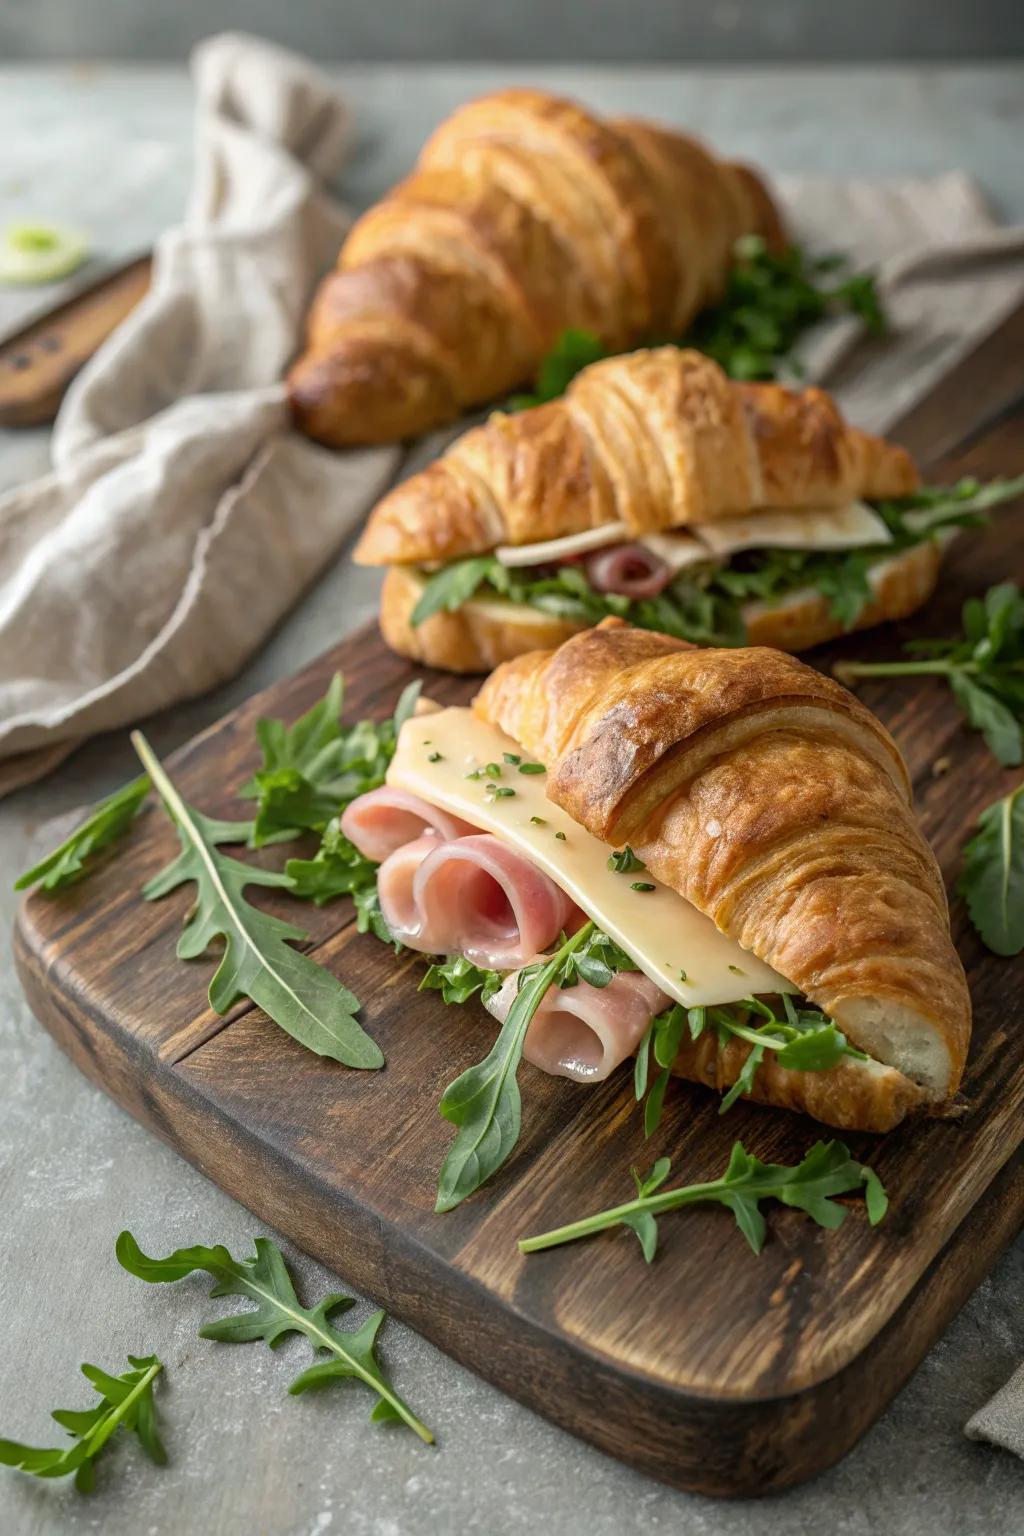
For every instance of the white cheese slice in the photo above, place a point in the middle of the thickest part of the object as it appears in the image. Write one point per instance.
(673, 943)
(561, 549)
(678, 550)
(849, 527)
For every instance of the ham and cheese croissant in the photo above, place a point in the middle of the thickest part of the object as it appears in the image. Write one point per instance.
(662, 461)
(526, 215)
(775, 803)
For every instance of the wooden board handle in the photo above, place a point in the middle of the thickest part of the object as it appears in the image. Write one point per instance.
(38, 363)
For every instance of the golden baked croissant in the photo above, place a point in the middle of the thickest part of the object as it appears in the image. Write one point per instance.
(526, 214)
(772, 800)
(654, 441)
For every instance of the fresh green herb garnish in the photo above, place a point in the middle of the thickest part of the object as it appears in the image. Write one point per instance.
(458, 979)
(625, 861)
(338, 869)
(305, 999)
(492, 770)
(532, 768)
(560, 836)
(826, 1171)
(512, 757)
(484, 1102)
(265, 1281)
(433, 757)
(805, 1038)
(313, 769)
(992, 881)
(498, 793)
(126, 1402)
(706, 605)
(984, 669)
(103, 826)
(538, 821)
(770, 300)
(641, 885)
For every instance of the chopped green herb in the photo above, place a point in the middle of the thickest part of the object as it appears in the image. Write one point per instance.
(625, 862)
(532, 768)
(493, 770)
(433, 757)
(642, 885)
(498, 793)
(560, 836)
(538, 821)
(512, 757)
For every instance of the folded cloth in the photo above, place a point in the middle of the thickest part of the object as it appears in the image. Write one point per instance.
(1001, 1421)
(183, 517)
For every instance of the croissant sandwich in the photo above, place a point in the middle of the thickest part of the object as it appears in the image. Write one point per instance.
(660, 491)
(734, 830)
(525, 215)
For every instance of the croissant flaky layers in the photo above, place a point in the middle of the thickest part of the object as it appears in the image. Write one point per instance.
(656, 439)
(777, 804)
(526, 214)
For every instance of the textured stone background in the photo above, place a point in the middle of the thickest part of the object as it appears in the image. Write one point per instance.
(111, 148)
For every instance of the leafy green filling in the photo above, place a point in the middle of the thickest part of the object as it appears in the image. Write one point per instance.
(705, 605)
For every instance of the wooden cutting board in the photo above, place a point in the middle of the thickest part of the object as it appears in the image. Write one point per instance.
(715, 1370)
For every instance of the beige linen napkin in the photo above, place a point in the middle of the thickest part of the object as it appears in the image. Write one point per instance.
(184, 518)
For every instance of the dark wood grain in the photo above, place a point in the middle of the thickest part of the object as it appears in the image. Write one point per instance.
(38, 363)
(717, 1371)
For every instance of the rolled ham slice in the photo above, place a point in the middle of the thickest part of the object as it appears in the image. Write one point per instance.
(585, 1032)
(385, 819)
(472, 896)
(628, 569)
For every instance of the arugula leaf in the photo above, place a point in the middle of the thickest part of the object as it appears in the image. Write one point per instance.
(451, 586)
(103, 826)
(484, 1103)
(806, 1041)
(992, 881)
(370, 918)
(306, 1000)
(458, 979)
(265, 1281)
(826, 1171)
(313, 769)
(770, 300)
(984, 669)
(126, 1401)
(338, 869)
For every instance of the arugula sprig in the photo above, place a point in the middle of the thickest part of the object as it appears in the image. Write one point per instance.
(803, 1037)
(265, 1281)
(126, 1402)
(107, 822)
(458, 979)
(484, 1102)
(771, 299)
(305, 999)
(314, 768)
(984, 668)
(992, 881)
(826, 1171)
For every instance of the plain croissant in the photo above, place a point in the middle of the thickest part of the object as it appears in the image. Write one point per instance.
(526, 215)
(778, 805)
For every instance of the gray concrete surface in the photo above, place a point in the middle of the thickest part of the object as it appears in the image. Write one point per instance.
(683, 31)
(246, 1460)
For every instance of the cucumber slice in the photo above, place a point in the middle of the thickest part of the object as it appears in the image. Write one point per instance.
(40, 253)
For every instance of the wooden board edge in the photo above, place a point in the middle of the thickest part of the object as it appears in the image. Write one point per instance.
(709, 1446)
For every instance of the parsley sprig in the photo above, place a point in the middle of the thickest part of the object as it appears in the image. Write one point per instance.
(984, 668)
(126, 1402)
(827, 1170)
(803, 1037)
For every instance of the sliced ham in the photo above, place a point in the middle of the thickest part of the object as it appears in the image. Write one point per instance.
(585, 1032)
(473, 896)
(628, 569)
(384, 819)
(396, 889)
